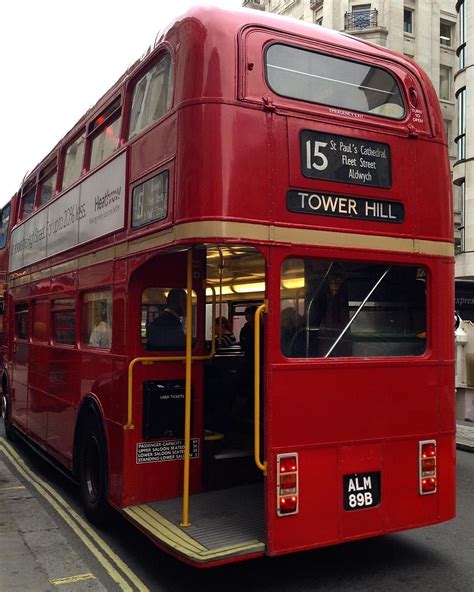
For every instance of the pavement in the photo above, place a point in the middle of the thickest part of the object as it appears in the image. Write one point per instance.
(465, 436)
(35, 555)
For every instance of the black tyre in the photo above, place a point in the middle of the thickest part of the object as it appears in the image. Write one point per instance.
(9, 432)
(93, 471)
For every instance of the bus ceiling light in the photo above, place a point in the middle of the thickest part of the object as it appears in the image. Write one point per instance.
(293, 283)
(427, 467)
(287, 484)
(245, 288)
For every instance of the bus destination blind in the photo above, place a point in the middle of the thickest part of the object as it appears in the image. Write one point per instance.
(302, 201)
(345, 160)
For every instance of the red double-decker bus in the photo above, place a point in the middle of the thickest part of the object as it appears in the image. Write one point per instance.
(295, 181)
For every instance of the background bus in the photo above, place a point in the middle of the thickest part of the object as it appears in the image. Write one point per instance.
(247, 159)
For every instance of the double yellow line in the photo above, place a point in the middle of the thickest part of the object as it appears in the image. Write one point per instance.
(110, 561)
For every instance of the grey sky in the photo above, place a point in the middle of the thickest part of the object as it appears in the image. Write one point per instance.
(57, 58)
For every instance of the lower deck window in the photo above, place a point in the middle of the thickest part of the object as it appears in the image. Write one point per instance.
(333, 309)
(97, 319)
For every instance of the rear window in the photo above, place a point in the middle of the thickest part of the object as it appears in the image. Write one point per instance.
(309, 76)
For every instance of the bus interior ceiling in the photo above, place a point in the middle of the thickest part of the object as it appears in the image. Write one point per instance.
(236, 280)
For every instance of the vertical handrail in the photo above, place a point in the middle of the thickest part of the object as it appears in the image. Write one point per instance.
(187, 404)
(261, 465)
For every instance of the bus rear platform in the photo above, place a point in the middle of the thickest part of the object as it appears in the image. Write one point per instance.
(225, 525)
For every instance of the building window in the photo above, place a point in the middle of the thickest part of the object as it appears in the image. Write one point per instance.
(459, 239)
(461, 137)
(408, 21)
(73, 161)
(151, 96)
(445, 83)
(446, 33)
(461, 51)
(361, 14)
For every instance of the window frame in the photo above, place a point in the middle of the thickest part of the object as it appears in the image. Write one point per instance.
(17, 317)
(54, 311)
(303, 48)
(166, 50)
(411, 12)
(46, 173)
(63, 159)
(449, 42)
(348, 260)
(164, 171)
(46, 318)
(111, 113)
(105, 293)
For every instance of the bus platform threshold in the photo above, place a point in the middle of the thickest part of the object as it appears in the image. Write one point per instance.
(225, 524)
(465, 436)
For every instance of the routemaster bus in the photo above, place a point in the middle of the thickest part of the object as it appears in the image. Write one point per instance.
(295, 181)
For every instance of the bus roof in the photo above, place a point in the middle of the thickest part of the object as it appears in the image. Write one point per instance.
(210, 24)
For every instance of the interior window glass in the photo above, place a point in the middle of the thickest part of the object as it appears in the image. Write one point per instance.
(151, 96)
(163, 322)
(346, 309)
(40, 320)
(97, 319)
(22, 325)
(317, 78)
(27, 203)
(47, 188)
(64, 321)
(105, 143)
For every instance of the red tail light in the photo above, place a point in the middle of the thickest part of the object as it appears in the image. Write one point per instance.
(427, 467)
(287, 484)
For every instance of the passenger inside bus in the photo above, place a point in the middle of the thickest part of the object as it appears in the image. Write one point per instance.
(166, 331)
(224, 336)
(101, 335)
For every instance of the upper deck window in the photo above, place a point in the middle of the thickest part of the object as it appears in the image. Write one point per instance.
(317, 78)
(4, 225)
(73, 161)
(105, 129)
(27, 202)
(151, 96)
(47, 184)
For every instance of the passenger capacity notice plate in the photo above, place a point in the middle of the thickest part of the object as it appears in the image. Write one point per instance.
(361, 490)
(344, 159)
(165, 450)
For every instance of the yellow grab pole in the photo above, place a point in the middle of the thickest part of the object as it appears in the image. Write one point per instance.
(261, 465)
(187, 407)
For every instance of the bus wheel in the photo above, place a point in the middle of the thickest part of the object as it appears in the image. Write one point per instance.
(9, 433)
(93, 472)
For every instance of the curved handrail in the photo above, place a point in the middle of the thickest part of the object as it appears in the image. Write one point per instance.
(261, 465)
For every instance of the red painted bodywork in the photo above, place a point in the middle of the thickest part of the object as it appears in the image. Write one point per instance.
(232, 148)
